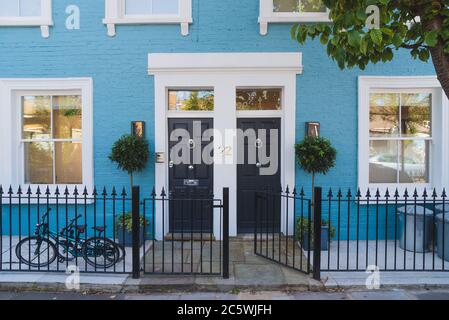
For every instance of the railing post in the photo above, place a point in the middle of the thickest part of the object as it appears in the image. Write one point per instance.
(135, 232)
(317, 193)
(256, 206)
(225, 233)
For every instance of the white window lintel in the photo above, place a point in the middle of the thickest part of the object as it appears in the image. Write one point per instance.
(44, 21)
(115, 15)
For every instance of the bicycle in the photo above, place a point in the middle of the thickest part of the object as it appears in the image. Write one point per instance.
(41, 250)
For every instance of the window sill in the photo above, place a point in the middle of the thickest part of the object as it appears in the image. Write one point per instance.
(291, 18)
(44, 24)
(111, 22)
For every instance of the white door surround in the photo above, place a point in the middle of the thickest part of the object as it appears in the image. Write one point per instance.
(224, 72)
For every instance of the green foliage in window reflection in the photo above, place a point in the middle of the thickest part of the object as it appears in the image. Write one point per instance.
(197, 102)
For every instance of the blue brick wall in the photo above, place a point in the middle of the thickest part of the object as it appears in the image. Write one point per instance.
(124, 92)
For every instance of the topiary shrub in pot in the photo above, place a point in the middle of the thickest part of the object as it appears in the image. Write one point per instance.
(315, 155)
(131, 154)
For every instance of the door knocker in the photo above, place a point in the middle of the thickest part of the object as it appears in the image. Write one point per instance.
(191, 144)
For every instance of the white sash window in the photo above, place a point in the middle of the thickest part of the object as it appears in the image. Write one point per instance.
(27, 13)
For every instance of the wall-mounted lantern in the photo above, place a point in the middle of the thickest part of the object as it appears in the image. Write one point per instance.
(138, 128)
(312, 129)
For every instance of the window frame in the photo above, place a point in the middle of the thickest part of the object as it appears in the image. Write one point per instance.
(12, 170)
(22, 141)
(267, 15)
(44, 21)
(439, 151)
(115, 15)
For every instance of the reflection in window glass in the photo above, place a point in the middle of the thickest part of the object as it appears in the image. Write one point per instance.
(191, 100)
(414, 161)
(36, 120)
(383, 162)
(9, 8)
(400, 118)
(30, 8)
(20, 8)
(39, 163)
(47, 160)
(68, 162)
(384, 115)
(298, 6)
(165, 6)
(146, 7)
(259, 99)
(67, 117)
(415, 114)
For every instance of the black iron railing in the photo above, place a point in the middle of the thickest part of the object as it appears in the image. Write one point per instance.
(111, 232)
(350, 231)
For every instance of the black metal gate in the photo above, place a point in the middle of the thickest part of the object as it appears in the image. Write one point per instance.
(291, 245)
(184, 250)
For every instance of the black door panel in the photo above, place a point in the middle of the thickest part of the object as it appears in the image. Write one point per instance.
(249, 180)
(191, 184)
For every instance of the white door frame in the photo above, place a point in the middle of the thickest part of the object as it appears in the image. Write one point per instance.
(224, 72)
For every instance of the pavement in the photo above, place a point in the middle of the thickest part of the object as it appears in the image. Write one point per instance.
(248, 272)
(396, 294)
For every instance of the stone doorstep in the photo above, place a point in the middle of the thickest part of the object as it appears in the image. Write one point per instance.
(187, 236)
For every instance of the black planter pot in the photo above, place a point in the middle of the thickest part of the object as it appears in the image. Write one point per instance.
(125, 237)
(324, 240)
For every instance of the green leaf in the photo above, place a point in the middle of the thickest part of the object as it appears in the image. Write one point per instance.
(354, 38)
(397, 40)
(431, 38)
(424, 55)
(376, 36)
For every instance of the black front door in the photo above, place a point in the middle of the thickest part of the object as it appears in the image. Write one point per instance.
(191, 182)
(250, 179)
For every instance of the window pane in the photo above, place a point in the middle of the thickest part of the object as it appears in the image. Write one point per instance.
(9, 8)
(416, 114)
(383, 162)
(165, 7)
(259, 99)
(286, 5)
(414, 162)
(312, 6)
(30, 8)
(39, 163)
(191, 100)
(36, 117)
(384, 115)
(67, 115)
(68, 162)
(138, 7)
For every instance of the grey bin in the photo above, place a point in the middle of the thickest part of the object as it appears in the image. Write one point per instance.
(439, 208)
(424, 228)
(443, 235)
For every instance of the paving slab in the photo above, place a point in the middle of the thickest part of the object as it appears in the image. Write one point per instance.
(431, 295)
(380, 295)
(319, 296)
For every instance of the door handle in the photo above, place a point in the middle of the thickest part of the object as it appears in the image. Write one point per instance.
(191, 167)
(258, 165)
(171, 164)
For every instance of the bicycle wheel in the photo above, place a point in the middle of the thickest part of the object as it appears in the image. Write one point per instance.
(101, 252)
(36, 252)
